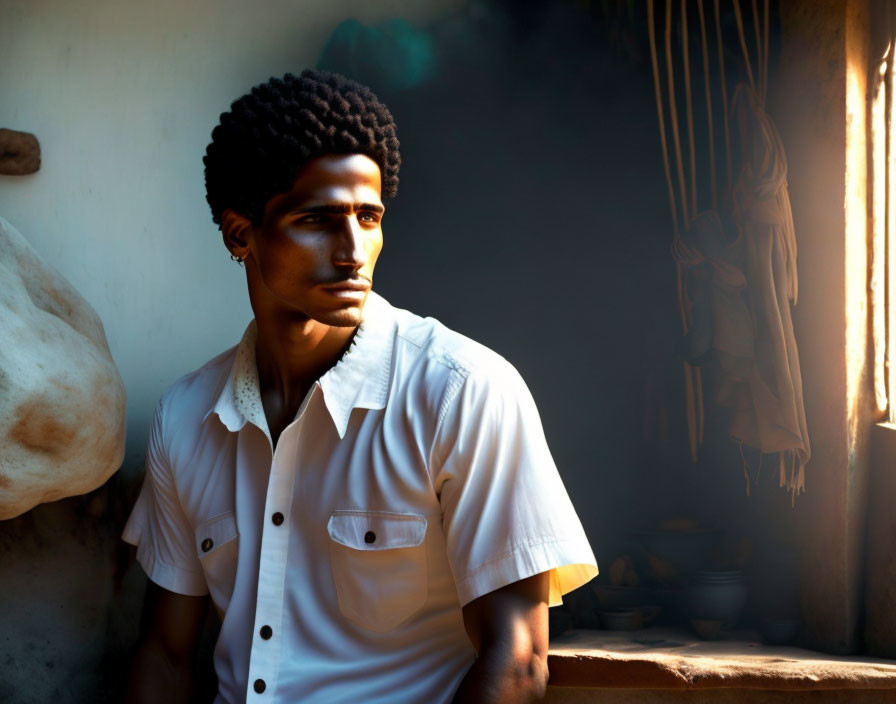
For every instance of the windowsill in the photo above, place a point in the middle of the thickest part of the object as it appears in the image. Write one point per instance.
(669, 658)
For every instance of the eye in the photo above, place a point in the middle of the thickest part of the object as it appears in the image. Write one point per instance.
(369, 216)
(310, 219)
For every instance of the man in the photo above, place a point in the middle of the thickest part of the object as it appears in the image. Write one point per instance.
(366, 496)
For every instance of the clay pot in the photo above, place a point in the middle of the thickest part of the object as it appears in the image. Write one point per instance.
(717, 596)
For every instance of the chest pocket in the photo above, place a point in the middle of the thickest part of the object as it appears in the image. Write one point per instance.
(379, 566)
(217, 544)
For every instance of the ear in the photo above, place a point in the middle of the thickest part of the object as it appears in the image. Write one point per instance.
(237, 231)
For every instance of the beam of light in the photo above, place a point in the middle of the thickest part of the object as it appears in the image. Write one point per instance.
(856, 244)
(877, 282)
(890, 256)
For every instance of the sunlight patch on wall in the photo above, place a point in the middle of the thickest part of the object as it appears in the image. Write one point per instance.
(890, 260)
(878, 282)
(856, 245)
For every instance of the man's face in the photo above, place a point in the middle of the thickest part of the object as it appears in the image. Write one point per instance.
(315, 251)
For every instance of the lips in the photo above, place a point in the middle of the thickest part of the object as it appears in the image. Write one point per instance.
(349, 285)
(353, 290)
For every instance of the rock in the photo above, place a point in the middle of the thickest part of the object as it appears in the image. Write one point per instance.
(62, 400)
(19, 153)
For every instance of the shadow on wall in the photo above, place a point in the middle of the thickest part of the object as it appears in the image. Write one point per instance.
(532, 216)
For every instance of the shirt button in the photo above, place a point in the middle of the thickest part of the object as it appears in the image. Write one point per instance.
(266, 632)
(259, 686)
(369, 536)
(206, 545)
(277, 518)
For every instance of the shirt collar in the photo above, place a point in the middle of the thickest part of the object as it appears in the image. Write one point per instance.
(360, 379)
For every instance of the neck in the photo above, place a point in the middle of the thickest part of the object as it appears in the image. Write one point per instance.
(293, 351)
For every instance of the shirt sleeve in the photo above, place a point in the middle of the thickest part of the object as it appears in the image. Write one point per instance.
(505, 511)
(166, 547)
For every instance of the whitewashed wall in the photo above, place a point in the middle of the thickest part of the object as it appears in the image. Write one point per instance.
(123, 96)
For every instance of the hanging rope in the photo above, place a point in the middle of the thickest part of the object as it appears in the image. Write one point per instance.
(706, 89)
(697, 417)
(764, 78)
(689, 111)
(673, 116)
(728, 169)
(651, 28)
(756, 32)
(763, 153)
(743, 43)
(693, 385)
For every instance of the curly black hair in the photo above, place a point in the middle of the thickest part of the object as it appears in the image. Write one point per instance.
(269, 133)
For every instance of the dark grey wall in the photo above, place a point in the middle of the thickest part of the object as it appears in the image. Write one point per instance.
(532, 216)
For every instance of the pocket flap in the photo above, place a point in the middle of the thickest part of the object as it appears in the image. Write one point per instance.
(214, 533)
(376, 530)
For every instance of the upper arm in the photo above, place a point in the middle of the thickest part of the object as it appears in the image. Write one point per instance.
(506, 514)
(514, 617)
(174, 622)
(163, 664)
(159, 524)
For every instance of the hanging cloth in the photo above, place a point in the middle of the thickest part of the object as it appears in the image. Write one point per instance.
(765, 395)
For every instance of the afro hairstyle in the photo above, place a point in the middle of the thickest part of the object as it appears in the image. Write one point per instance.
(272, 131)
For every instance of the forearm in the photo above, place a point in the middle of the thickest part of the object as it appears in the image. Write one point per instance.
(154, 678)
(500, 677)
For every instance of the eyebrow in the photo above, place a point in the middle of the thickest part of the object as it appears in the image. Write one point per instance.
(332, 208)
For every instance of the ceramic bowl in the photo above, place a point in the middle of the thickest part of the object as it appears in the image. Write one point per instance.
(717, 595)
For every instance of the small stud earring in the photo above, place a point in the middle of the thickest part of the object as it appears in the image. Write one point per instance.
(238, 260)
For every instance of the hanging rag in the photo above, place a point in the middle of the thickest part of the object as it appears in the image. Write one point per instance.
(766, 393)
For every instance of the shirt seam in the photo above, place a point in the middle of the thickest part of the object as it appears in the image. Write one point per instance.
(159, 560)
(455, 383)
(163, 403)
(514, 549)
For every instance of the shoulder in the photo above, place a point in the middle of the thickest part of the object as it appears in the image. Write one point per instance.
(432, 358)
(185, 403)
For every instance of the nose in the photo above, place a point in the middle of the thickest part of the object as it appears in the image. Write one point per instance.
(350, 250)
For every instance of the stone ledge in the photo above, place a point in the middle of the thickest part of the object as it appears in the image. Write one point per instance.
(657, 658)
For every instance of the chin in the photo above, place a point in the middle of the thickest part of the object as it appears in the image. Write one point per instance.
(344, 318)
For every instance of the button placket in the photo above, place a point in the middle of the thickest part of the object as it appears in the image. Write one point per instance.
(264, 659)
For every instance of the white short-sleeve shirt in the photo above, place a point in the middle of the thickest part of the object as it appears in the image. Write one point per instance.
(414, 478)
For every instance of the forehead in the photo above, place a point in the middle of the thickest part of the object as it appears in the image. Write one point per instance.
(333, 178)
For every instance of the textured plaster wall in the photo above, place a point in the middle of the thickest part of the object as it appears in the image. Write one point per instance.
(123, 97)
(820, 40)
